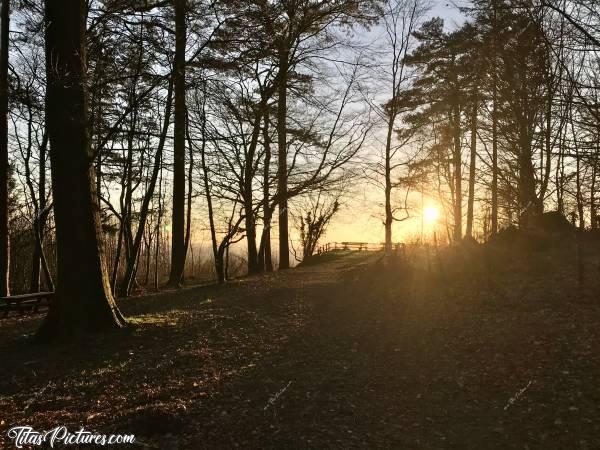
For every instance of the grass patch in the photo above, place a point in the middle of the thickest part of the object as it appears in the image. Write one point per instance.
(162, 319)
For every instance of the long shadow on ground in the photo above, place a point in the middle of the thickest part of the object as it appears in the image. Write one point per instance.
(357, 352)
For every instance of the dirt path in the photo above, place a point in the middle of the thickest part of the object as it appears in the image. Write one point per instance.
(352, 353)
(392, 358)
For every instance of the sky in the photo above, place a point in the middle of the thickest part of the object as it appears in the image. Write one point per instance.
(361, 216)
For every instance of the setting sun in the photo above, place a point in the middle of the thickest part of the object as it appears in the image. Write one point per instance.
(431, 214)
(259, 201)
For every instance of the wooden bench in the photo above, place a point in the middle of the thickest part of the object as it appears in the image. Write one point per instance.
(25, 302)
(360, 246)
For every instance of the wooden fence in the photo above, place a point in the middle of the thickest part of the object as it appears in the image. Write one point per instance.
(356, 246)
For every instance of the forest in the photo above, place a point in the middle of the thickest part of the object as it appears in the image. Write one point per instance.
(153, 152)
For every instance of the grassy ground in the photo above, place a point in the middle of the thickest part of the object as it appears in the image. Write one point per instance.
(425, 351)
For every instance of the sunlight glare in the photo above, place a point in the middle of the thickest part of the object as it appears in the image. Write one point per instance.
(431, 214)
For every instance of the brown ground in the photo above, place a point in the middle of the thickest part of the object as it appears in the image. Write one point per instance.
(353, 352)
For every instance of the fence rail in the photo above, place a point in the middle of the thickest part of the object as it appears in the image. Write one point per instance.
(30, 303)
(356, 246)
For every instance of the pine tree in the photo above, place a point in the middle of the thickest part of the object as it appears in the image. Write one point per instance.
(83, 301)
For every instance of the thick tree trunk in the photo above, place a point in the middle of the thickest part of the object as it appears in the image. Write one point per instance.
(472, 168)
(284, 249)
(4, 170)
(83, 302)
(178, 216)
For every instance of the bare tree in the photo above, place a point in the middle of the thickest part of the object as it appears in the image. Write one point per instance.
(315, 215)
(400, 19)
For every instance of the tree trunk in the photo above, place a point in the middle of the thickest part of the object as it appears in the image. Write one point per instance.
(125, 202)
(578, 191)
(132, 264)
(494, 68)
(36, 200)
(528, 204)
(225, 264)
(44, 212)
(188, 219)
(40, 224)
(217, 253)
(158, 225)
(39, 256)
(548, 144)
(127, 206)
(253, 266)
(389, 219)
(83, 302)
(472, 168)
(147, 254)
(579, 196)
(178, 216)
(560, 168)
(220, 265)
(284, 249)
(115, 271)
(34, 286)
(593, 197)
(593, 213)
(4, 169)
(35, 263)
(457, 163)
(265, 244)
